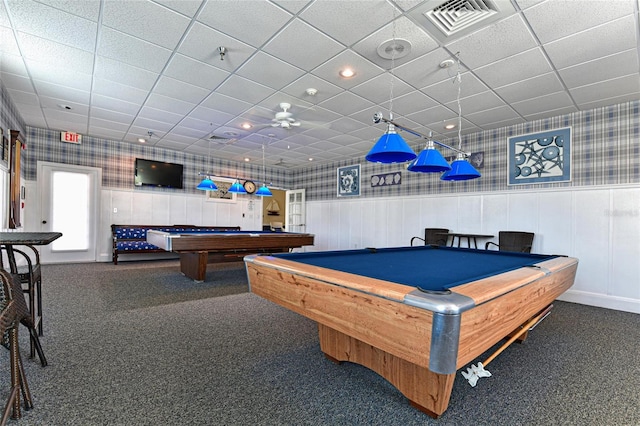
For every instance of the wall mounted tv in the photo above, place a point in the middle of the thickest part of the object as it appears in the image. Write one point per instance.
(157, 173)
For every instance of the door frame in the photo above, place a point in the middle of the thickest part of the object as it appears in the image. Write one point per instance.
(44, 188)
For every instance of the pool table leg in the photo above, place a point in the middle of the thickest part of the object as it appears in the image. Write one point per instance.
(194, 265)
(427, 391)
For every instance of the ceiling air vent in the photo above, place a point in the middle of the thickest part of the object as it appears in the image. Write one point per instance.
(448, 20)
(456, 15)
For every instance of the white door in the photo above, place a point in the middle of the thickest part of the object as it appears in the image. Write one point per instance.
(296, 212)
(69, 203)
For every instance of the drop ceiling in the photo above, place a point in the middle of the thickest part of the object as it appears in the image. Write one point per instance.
(124, 70)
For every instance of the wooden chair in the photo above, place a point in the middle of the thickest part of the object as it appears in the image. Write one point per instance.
(433, 236)
(513, 241)
(9, 319)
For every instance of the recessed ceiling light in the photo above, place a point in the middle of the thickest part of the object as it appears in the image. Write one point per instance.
(142, 140)
(246, 125)
(449, 126)
(246, 159)
(347, 73)
(310, 159)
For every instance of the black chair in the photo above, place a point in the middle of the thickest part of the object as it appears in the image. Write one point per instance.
(9, 319)
(513, 241)
(433, 236)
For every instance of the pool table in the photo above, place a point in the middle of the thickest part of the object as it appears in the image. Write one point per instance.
(414, 315)
(198, 248)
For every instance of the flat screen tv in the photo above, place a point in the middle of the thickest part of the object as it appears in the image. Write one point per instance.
(157, 173)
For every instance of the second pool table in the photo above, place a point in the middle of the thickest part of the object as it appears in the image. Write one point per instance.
(198, 248)
(414, 315)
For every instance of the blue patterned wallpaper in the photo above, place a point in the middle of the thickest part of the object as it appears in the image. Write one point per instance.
(605, 151)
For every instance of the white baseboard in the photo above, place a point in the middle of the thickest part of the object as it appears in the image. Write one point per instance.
(602, 300)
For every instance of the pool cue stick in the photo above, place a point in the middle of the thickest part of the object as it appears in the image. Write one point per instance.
(532, 323)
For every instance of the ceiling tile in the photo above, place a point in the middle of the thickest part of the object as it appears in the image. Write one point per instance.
(543, 103)
(35, 19)
(605, 68)
(55, 54)
(230, 18)
(180, 90)
(480, 48)
(530, 88)
(606, 89)
(194, 72)
(515, 68)
(146, 21)
(269, 71)
(348, 59)
(131, 50)
(575, 17)
(588, 45)
(295, 42)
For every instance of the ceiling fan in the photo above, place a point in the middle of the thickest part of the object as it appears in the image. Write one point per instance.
(284, 118)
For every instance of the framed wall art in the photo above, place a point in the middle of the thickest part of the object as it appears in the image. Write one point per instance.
(222, 194)
(348, 181)
(540, 157)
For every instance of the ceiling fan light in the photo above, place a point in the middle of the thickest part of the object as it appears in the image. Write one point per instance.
(390, 148)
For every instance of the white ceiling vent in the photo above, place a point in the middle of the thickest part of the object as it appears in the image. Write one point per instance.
(456, 15)
(452, 19)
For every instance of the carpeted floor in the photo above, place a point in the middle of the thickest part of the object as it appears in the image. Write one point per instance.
(139, 344)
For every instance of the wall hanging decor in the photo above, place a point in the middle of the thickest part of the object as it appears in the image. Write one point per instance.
(349, 181)
(540, 157)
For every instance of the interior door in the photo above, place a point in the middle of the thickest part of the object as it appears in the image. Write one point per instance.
(296, 211)
(69, 203)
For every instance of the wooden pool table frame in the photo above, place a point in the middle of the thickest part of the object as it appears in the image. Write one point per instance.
(196, 250)
(397, 331)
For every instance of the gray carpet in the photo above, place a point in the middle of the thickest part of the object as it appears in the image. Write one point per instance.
(139, 344)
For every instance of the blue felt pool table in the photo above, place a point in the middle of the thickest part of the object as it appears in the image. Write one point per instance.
(415, 315)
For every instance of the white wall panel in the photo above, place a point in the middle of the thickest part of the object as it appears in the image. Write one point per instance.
(411, 221)
(523, 212)
(625, 260)
(372, 226)
(142, 214)
(178, 210)
(122, 201)
(592, 244)
(394, 226)
(159, 209)
(555, 223)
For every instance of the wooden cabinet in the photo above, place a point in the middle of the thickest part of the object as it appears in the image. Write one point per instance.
(14, 179)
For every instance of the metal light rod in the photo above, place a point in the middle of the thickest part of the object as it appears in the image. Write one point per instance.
(377, 118)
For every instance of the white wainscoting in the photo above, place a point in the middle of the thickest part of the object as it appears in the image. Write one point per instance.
(598, 225)
(141, 207)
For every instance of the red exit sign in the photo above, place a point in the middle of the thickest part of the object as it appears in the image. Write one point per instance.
(70, 137)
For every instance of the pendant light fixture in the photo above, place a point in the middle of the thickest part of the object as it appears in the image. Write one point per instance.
(237, 188)
(391, 148)
(207, 184)
(263, 191)
(429, 160)
(461, 169)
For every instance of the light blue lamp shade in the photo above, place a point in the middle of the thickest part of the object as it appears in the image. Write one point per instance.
(237, 188)
(429, 161)
(461, 169)
(390, 148)
(207, 185)
(263, 191)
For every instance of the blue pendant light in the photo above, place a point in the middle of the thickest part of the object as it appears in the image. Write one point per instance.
(390, 148)
(461, 169)
(207, 185)
(429, 161)
(263, 191)
(237, 188)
